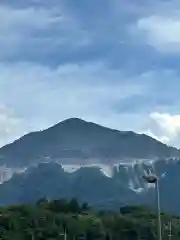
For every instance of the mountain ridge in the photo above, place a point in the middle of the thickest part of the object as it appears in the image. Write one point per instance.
(69, 120)
(124, 186)
(76, 140)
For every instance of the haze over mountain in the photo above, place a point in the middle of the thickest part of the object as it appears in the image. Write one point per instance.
(75, 141)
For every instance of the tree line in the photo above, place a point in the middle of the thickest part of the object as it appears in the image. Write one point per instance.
(70, 220)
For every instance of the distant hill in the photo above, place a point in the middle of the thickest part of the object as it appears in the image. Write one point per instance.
(79, 142)
(126, 186)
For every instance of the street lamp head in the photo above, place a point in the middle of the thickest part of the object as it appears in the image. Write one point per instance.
(150, 179)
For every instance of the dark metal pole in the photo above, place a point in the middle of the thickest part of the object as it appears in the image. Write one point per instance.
(159, 229)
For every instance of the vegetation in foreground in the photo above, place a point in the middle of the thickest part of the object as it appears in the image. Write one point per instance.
(59, 219)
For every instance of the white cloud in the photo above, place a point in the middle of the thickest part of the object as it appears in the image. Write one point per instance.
(164, 127)
(161, 32)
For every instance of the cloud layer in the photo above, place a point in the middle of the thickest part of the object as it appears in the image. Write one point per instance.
(119, 68)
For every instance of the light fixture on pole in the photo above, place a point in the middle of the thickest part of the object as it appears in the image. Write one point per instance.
(153, 179)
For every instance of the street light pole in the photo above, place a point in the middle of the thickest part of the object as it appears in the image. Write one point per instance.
(152, 179)
(158, 210)
(170, 230)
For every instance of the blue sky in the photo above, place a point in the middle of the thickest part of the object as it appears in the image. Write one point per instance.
(114, 62)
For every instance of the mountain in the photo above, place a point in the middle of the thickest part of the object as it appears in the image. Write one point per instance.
(92, 184)
(50, 180)
(75, 141)
(81, 159)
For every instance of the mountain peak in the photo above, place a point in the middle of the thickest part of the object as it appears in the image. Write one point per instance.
(79, 125)
(70, 123)
(73, 120)
(75, 141)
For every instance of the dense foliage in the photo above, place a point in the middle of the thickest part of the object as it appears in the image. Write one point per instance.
(60, 219)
